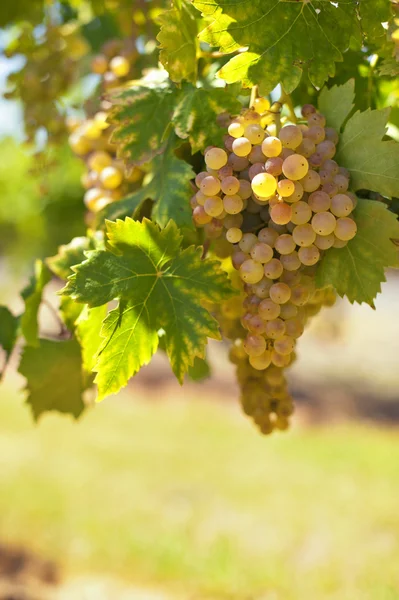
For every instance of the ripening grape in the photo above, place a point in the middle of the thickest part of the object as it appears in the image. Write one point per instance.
(251, 271)
(233, 221)
(248, 242)
(341, 182)
(299, 295)
(331, 166)
(280, 360)
(324, 223)
(267, 235)
(213, 206)
(261, 105)
(345, 229)
(290, 136)
(309, 256)
(238, 163)
(275, 328)
(262, 288)
(236, 129)
(307, 110)
(111, 178)
(331, 135)
(295, 167)
(264, 185)
(291, 262)
(262, 362)
(91, 196)
(273, 269)
(288, 311)
(274, 166)
(79, 144)
(285, 187)
(234, 235)
(297, 194)
(285, 244)
(341, 205)
(255, 133)
(316, 119)
(294, 327)
(119, 66)
(271, 146)
(242, 147)
(255, 169)
(233, 204)
(200, 177)
(200, 216)
(254, 345)
(319, 201)
(339, 243)
(327, 149)
(99, 64)
(280, 293)
(99, 160)
(306, 148)
(316, 134)
(262, 253)
(324, 242)
(210, 186)
(281, 213)
(245, 190)
(269, 310)
(200, 198)
(216, 158)
(330, 188)
(304, 235)
(301, 213)
(311, 181)
(284, 345)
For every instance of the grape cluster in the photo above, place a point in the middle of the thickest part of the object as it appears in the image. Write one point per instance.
(279, 198)
(105, 180)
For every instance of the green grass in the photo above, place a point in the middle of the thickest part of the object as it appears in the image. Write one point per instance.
(188, 495)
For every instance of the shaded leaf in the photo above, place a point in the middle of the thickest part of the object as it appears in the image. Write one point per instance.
(200, 370)
(72, 254)
(9, 325)
(32, 296)
(337, 102)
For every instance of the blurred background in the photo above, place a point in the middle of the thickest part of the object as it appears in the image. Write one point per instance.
(169, 493)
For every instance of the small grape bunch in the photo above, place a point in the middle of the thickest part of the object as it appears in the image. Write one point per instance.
(115, 63)
(281, 200)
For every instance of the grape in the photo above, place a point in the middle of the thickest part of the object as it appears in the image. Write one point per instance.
(306, 148)
(343, 171)
(253, 206)
(245, 190)
(261, 105)
(210, 186)
(304, 235)
(271, 147)
(275, 328)
(238, 258)
(242, 147)
(284, 345)
(256, 155)
(301, 213)
(254, 345)
(288, 311)
(251, 271)
(216, 158)
(300, 295)
(339, 243)
(325, 176)
(233, 235)
(262, 253)
(201, 198)
(280, 293)
(332, 135)
(279, 228)
(291, 262)
(295, 167)
(255, 133)
(319, 201)
(268, 236)
(213, 229)
(213, 206)
(290, 136)
(316, 119)
(255, 169)
(346, 229)
(248, 242)
(331, 166)
(285, 244)
(230, 185)
(316, 160)
(264, 185)
(273, 269)
(200, 216)
(238, 163)
(260, 363)
(274, 166)
(311, 181)
(269, 310)
(316, 134)
(236, 130)
(233, 221)
(341, 205)
(281, 213)
(352, 196)
(324, 223)
(341, 182)
(330, 188)
(297, 194)
(233, 204)
(262, 288)
(251, 303)
(228, 142)
(280, 360)
(324, 242)
(99, 64)
(200, 177)
(111, 178)
(225, 172)
(294, 327)
(99, 160)
(285, 188)
(119, 66)
(307, 110)
(79, 144)
(327, 149)
(309, 256)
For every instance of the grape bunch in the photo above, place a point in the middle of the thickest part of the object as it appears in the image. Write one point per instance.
(277, 196)
(105, 179)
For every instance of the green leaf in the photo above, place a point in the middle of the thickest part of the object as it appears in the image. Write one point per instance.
(195, 115)
(141, 114)
(337, 102)
(88, 330)
(282, 38)
(160, 287)
(32, 296)
(178, 41)
(200, 370)
(372, 13)
(69, 312)
(389, 67)
(72, 254)
(357, 270)
(127, 207)
(373, 163)
(9, 325)
(54, 377)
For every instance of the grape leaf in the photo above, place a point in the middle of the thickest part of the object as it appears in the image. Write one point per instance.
(141, 114)
(281, 39)
(73, 254)
(160, 286)
(389, 67)
(337, 102)
(178, 41)
(373, 163)
(88, 328)
(9, 325)
(200, 370)
(357, 270)
(372, 13)
(127, 207)
(69, 312)
(54, 377)
(195, 115)
(32, 296)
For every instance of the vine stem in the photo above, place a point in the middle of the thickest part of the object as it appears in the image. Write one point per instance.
(56, 316)
(287, 100)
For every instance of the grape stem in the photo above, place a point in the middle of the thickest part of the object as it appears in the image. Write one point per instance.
(254, 95)
(287, 100)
